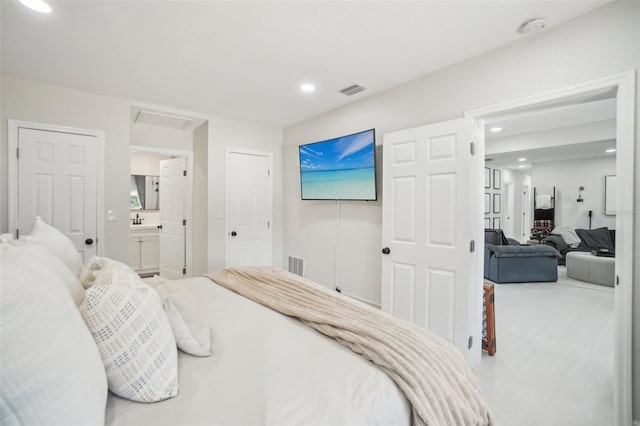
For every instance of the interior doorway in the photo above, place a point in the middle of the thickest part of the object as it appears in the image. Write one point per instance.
(623, 85)
(161, 198)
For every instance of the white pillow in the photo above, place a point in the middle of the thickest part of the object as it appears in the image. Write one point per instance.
(57, 243)
(190, 327)
(51, 369)
(95, 264)
(133, 336)
(52, 262)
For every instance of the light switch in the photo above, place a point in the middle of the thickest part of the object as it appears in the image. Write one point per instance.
(111, 216)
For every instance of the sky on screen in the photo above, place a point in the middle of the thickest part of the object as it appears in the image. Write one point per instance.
(348, 152)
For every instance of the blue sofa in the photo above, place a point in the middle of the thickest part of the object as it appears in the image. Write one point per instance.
(506, 261)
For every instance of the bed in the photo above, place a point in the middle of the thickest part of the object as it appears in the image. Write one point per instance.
(282, 350)
(268, 369)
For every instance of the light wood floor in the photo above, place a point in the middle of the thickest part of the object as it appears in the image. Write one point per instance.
(554, 359)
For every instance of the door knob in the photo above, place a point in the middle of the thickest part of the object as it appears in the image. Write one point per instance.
(234, 233)
(386, 250)
(88, 241)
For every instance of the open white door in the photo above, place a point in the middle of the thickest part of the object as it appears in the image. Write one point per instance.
(249, 201)
(427, 228)
(57, 180)
(173, 197)
(507, 211)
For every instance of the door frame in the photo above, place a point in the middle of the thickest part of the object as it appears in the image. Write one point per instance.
(624, 84)
(12, 180)
(229, 151)
(188, 156)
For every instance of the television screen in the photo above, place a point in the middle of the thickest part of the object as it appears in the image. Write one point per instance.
(343, 168)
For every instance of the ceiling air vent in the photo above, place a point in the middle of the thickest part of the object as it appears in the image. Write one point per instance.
(352, 90)
(161, 119)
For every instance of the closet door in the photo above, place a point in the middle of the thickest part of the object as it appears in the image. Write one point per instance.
(57, 180)
(426, 229)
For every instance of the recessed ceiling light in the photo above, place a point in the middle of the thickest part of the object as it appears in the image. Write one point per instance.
(522, 166)
(496, 129)
(522, 159)
(37, 5)
(609, 151)
(307, 87)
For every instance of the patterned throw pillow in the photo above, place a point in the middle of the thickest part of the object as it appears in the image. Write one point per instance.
(133, 335)
(96, 264)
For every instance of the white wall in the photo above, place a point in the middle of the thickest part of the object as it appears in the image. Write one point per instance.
(200, 215)
(146, 164)
(161, 137)
(562, 56)
(22, 100)
(567, 176)
(600, 43)
(28, 101)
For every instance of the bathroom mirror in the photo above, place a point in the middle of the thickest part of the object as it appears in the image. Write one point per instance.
(145, 192)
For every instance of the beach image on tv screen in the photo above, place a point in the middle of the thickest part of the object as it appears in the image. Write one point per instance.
(339, 169)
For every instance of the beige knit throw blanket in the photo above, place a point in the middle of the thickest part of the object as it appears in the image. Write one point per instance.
(430, 371)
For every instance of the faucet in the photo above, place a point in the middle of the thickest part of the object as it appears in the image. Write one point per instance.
(137, 220)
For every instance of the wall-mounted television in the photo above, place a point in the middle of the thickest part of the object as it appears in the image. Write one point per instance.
(343, 168)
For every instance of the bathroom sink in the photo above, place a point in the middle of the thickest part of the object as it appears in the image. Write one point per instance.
(145, 226)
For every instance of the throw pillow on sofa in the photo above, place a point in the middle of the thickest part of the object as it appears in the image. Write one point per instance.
(133, 335)
(51, 371)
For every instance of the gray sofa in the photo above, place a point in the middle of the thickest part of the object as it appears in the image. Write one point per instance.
(515, 263)
(590, 239)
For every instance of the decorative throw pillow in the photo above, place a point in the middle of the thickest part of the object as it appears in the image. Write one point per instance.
(53, 262)
(133, 336)
(95, 264)
(57, 243)
(51, 368)
(190, 328)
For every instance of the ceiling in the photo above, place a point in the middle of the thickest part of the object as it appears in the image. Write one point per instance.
(561, 132)
(246, 60)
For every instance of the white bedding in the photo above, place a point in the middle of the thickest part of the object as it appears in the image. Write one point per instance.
(267, 369)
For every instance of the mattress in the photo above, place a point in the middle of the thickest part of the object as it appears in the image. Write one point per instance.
(267, 369)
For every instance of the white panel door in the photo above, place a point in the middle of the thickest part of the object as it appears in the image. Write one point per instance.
(173, 197)
(248, 209)
(426, 228)
(57, 180)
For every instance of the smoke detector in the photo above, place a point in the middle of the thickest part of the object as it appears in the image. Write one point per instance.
(531, 26)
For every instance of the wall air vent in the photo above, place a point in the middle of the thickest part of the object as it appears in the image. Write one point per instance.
(162, 119)
(352, 90)
(296, 265)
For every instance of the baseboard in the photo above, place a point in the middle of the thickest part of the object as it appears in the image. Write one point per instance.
(369, 302)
